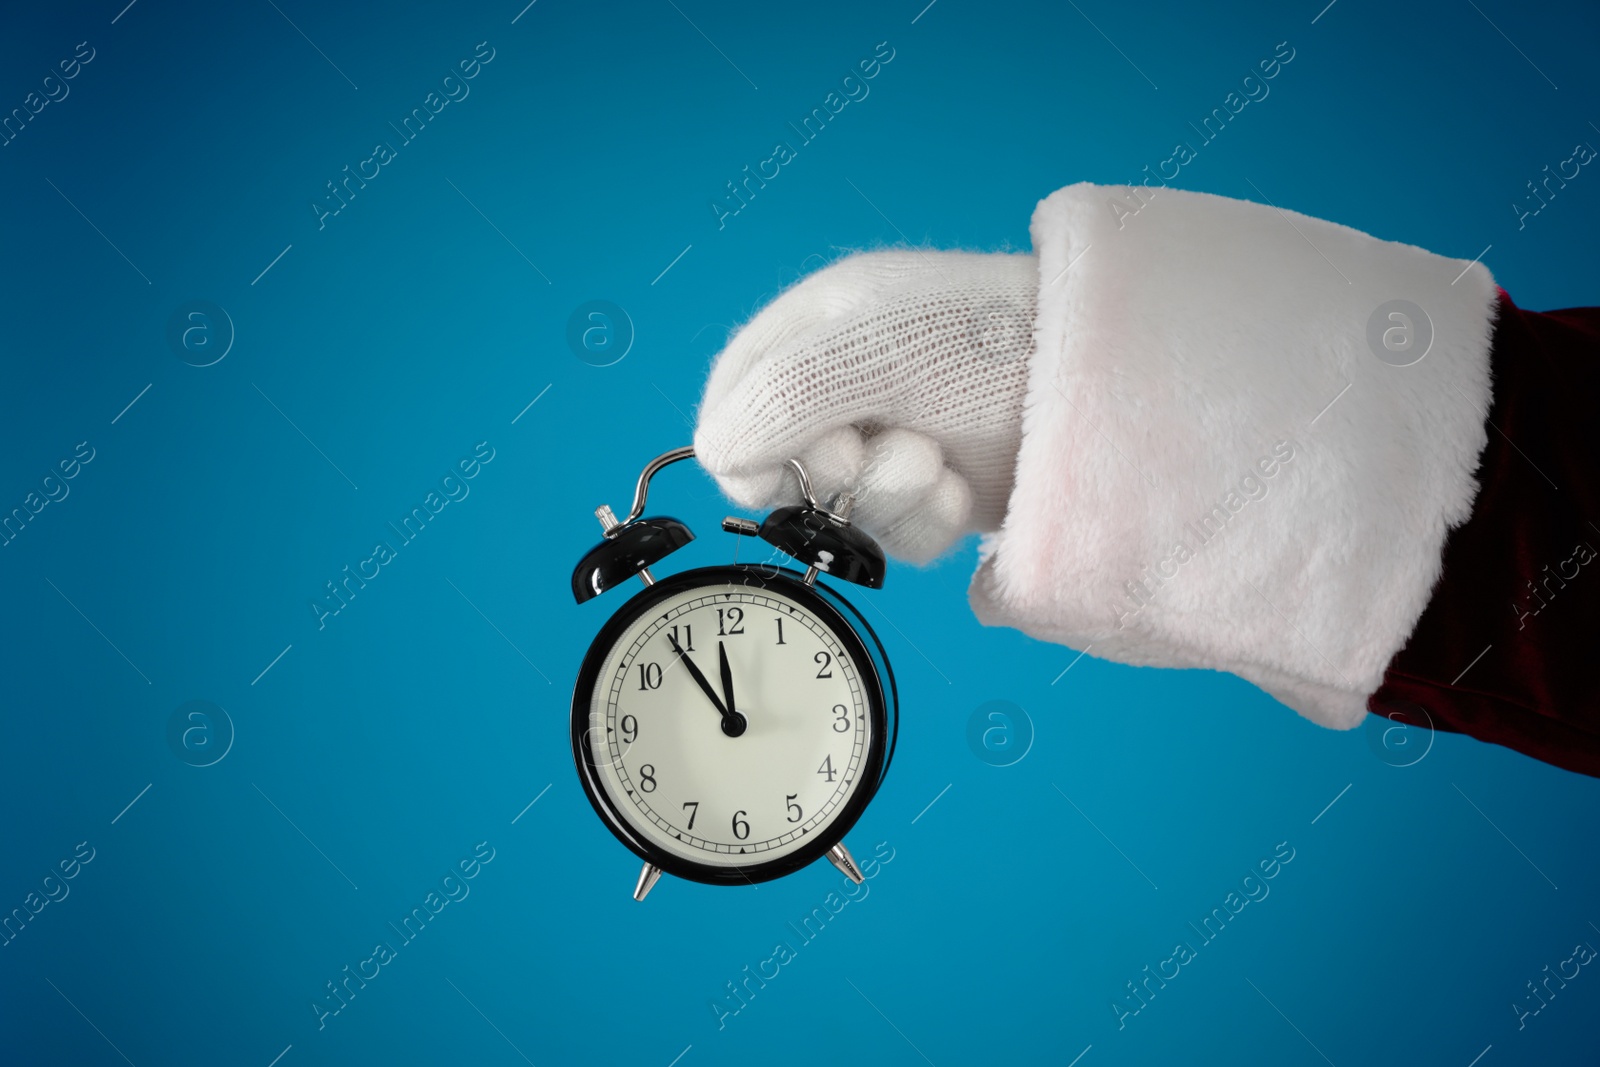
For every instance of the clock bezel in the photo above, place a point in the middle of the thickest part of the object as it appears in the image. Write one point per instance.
(852, 631)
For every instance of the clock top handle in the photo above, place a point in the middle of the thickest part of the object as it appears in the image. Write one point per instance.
(631, 547)
(820, 537)
(641, 491)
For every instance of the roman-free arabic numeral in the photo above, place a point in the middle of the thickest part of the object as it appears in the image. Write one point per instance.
(649, 676)
(647, 778)
(693, 808)
(741, 829)
(792, 806)
(781, 641)
(630, 729)
(686, 642)
(730, 621)
(823, 662)
(842, 723)
(827, 768)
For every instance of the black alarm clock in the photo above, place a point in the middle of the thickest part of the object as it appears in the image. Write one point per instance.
(731, 723)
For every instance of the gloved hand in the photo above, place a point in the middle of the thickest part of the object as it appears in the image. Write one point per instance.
(897, 375)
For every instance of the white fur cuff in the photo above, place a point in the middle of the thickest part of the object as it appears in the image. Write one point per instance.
(1217, 468)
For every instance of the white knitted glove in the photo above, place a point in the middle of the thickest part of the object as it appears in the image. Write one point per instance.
(897, 375)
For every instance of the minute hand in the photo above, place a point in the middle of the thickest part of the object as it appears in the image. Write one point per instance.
(728, 720)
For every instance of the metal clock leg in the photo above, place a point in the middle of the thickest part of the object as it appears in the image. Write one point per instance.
(648, 877)
(840, 857)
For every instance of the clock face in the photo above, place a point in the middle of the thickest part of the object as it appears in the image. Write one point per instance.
(735, 786)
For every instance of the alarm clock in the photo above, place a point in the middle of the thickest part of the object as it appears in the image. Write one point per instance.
(731, 723)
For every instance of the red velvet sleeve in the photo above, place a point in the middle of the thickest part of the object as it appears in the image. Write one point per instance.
(1506, 650)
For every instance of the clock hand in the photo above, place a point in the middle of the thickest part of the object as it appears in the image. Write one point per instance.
(733, 723)
(727, 680)
(699, 679)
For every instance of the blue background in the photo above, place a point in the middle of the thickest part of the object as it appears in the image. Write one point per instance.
(424, 718)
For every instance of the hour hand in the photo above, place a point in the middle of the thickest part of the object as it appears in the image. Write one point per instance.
(727, 680)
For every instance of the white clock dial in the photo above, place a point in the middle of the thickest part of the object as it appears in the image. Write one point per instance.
(657, 737)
